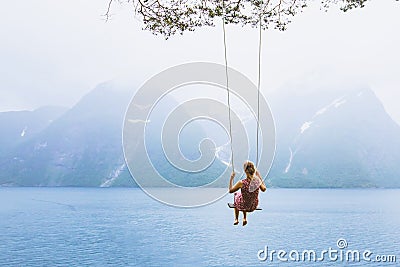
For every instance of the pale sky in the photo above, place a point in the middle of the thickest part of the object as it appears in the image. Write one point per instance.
(54, 52)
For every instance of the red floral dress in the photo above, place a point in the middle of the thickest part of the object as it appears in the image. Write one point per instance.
(246, 200)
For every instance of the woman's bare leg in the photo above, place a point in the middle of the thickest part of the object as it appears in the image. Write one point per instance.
(244, 218)
(236, 216)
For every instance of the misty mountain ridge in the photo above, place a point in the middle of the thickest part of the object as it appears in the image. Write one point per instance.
(20, 126)
(324, 139)
(335, 139)
(81, 148)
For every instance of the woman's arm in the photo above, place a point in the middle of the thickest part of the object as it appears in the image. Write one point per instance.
(262, 186)
(236, 187)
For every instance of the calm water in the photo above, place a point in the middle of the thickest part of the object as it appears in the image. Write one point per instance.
(80, 226)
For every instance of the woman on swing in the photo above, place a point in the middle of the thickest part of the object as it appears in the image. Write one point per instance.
(247, 199)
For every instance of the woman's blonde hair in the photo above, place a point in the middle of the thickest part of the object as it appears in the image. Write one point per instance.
(249, 167)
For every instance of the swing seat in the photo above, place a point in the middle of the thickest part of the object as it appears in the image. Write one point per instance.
(232, 206)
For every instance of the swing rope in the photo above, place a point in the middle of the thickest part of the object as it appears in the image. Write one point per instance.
(227, 85)
(258, 86)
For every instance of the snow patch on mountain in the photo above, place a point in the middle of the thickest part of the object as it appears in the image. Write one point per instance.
(320, 112)
(223, 153)
(114, 175)
(290, 160)
(337, 104)
(24, 131)
(305, 126)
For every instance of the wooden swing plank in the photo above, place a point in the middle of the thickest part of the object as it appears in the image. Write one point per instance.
(231, 205)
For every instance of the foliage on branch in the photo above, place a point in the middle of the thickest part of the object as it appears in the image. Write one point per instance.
(168, 17)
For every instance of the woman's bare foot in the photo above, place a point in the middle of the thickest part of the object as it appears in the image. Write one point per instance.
(244, 222)
(236, 222)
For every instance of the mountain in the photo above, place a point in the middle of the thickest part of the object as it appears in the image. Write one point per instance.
(324, 139)
(19, 126)
(83, 146)
(334, 139)
(80, 148)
